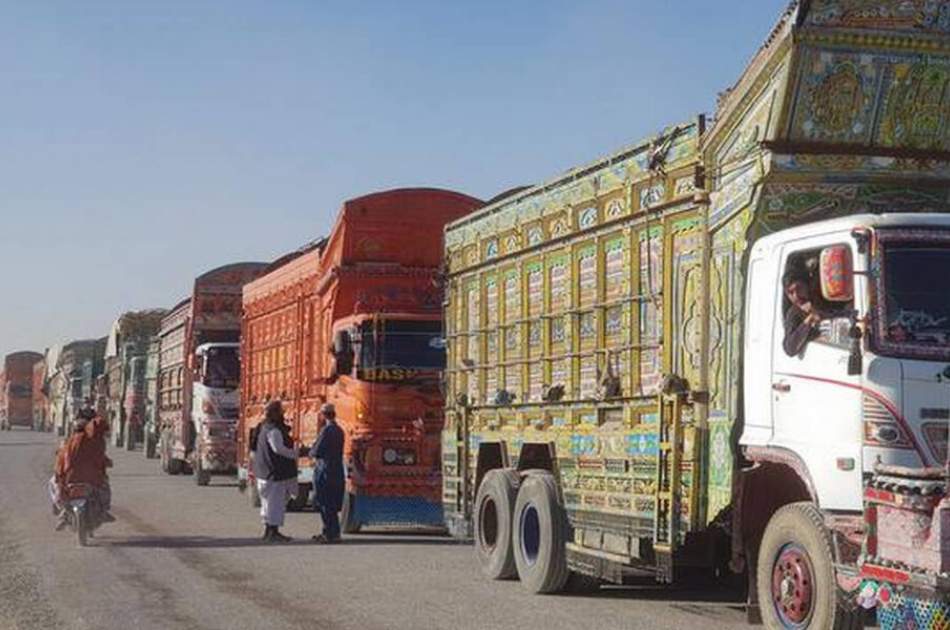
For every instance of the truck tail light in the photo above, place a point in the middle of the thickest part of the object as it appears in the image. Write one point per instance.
(880, 425)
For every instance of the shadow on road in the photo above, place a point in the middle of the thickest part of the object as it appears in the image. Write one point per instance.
(210, 542)
(192, 542)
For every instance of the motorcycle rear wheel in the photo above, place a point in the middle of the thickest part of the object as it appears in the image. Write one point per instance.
(82, 533)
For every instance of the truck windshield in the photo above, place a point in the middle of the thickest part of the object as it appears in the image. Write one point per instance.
(222, 368)
(400, 350)
(914, 310)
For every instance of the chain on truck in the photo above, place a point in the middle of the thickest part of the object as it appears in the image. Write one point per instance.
(621, 394)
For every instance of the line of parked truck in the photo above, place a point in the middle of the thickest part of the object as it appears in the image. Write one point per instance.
(588, 376)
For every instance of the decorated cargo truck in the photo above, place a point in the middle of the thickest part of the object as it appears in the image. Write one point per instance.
(727, 347)
(16, 389)
(151, 432)
(199, 375)
(125, 352)
(355, 320)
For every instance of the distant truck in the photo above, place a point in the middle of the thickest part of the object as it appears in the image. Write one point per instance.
(16, 385)
(151, 430)
(40, 401)
(726, 348)
(355, 320)
(125, 356)
(75, 369)
(199, 374)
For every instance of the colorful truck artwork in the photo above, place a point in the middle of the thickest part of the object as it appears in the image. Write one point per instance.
(126, 349)
(355, 320)
(151, 431)
(199, 375)
(74, 370)
(16, 389)
(620, 396)
(40, 401)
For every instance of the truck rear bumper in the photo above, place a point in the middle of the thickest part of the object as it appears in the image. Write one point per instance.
(398, 511)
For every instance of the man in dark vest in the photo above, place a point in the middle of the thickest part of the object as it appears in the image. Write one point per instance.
(328, 478)
(275, 468)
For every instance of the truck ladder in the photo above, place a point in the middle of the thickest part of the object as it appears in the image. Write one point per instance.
(667, 504)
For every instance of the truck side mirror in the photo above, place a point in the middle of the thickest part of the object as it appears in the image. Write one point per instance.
(836, 270)
(343, 352)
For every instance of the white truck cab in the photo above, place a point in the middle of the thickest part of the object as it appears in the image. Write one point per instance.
(872, 383)
(215, 403)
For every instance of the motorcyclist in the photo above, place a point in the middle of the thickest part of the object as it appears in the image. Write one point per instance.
(82, 460)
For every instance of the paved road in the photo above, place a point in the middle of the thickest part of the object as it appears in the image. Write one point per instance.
(181, 556)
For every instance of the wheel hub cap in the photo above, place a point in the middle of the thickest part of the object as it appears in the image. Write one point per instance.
(792, 586)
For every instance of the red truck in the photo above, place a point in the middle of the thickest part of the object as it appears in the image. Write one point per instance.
(16, 385)
(356, 320)
(198, 379)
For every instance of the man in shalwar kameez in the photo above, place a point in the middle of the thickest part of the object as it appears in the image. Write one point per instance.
(275, 468)
(329, 482)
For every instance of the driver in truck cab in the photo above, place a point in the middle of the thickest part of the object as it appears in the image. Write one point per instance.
(801, 317)
(82, 460)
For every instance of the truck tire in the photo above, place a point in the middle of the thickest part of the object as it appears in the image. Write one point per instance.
(795, 574)
(539, 535)
(149, 447)
(494, 506)
(202, 476)
(348, 522)
(175, 466)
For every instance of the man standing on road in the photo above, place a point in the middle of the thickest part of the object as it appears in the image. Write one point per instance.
(328, 478)
(275, 468)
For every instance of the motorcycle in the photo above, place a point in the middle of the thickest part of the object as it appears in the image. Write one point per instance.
(83, 511)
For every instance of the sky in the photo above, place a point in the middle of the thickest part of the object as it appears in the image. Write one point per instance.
(143, 143)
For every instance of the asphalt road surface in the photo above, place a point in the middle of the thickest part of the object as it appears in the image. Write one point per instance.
(181, 556)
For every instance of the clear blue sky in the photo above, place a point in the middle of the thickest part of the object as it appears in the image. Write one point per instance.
(143, 143)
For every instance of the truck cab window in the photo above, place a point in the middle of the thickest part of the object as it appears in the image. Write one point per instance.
(807, 315)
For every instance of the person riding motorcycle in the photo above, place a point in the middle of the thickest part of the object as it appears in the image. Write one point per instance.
(82, 460)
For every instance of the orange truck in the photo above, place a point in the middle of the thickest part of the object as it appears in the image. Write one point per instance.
(16, 385)
(355, 320)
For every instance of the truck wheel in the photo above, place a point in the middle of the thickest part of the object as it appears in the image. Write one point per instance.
(149, 447)
(254, 494)
(348, 522)
(795, 574)
(202, 476)
(494, 505)
(540, 532)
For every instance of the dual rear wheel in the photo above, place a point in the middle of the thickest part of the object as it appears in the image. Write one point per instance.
(521, 531)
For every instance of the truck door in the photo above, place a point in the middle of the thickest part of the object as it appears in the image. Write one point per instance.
(816, 405)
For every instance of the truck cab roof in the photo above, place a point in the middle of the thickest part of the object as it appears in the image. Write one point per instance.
(897, 219)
